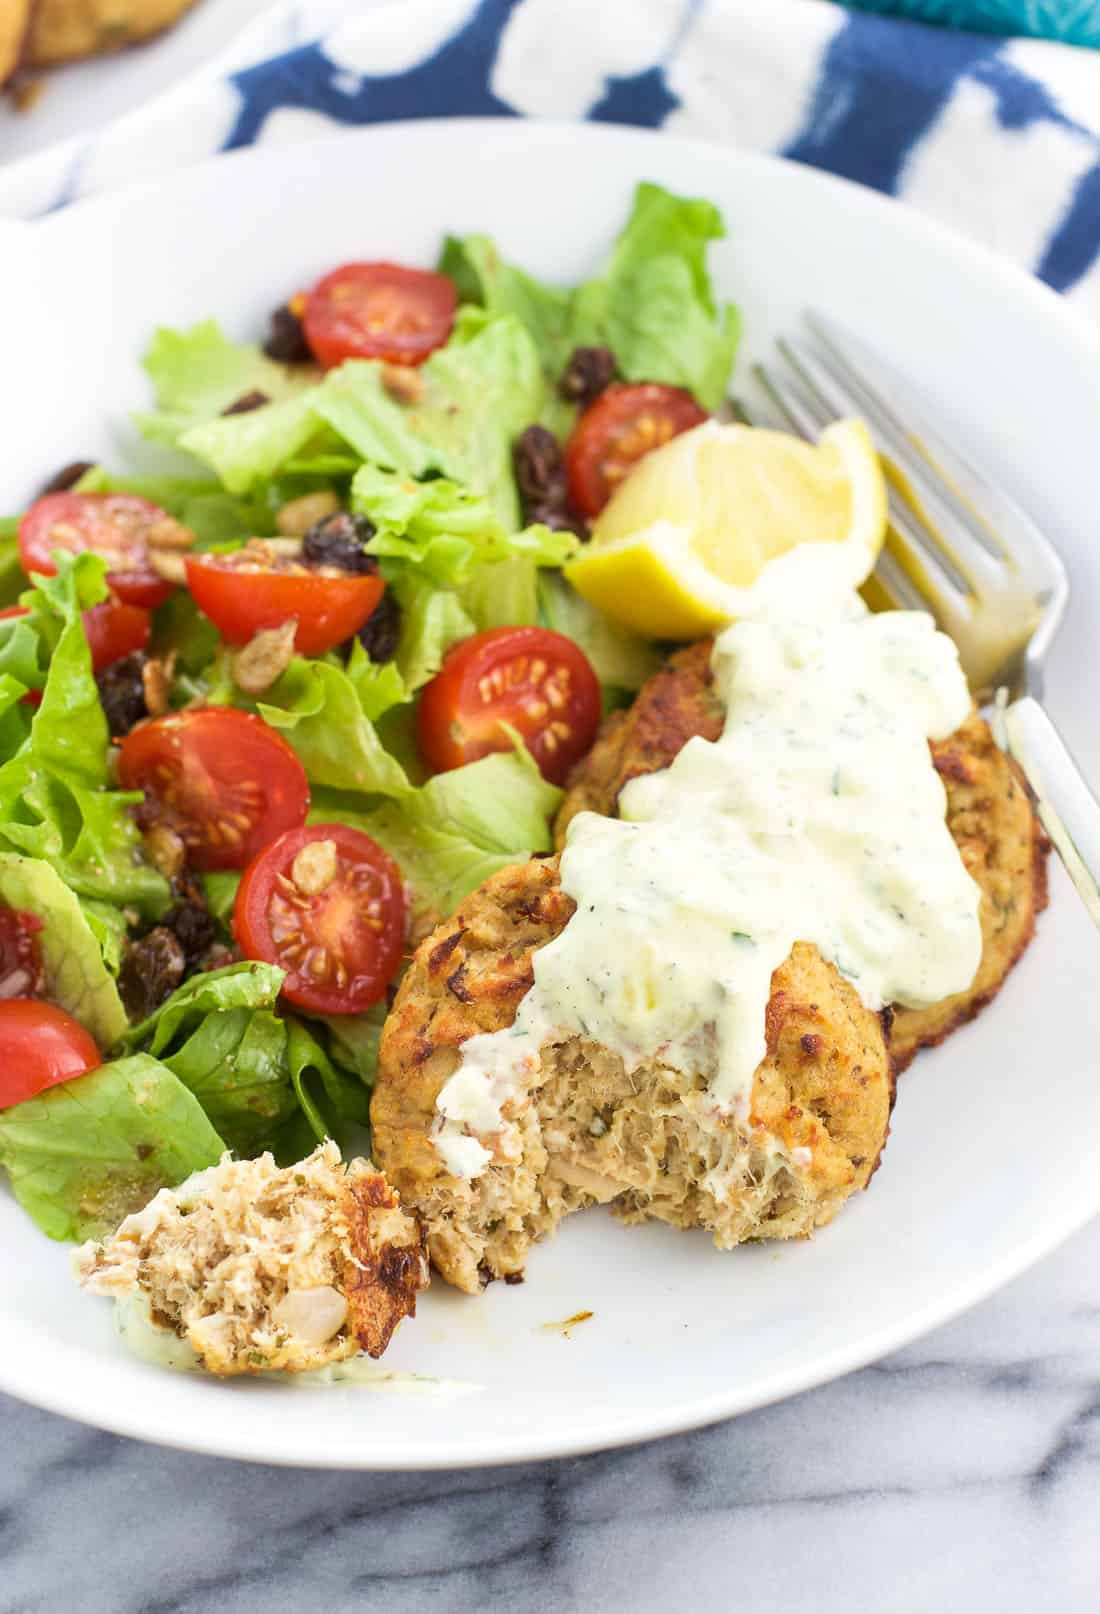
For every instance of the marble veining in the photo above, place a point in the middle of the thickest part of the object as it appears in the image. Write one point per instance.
(960, 1473)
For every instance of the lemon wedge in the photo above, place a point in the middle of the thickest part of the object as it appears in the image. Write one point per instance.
(723, 518)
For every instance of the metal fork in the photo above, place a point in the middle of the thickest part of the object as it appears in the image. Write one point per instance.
(959, 547)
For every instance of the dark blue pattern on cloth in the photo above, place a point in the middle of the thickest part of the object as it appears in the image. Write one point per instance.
(881, 88)
(452, 82)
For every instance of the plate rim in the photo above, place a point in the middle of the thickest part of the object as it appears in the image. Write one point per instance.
(626, 1428)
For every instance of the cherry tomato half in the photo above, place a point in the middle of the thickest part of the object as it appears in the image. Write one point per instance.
(40, 1046)
(223, 780)
(536, 681)
(114, 525)
(326, 904)
(620, 428)
(243, 592)
(114, 629)
(379, 311)
(21, 974)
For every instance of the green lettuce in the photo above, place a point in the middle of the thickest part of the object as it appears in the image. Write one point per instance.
(331, 1099)
(444, 530)
(478, 393)
(198, 372)
(318, 707)
(653, 305)
(459, 828)
(264, 1080)
(432, 619)
(86, 1153)
(219, 1034)
(55, 797)
(483, 278)
(76, 976)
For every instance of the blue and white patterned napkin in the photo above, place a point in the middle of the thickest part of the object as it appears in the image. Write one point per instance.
(998, 138)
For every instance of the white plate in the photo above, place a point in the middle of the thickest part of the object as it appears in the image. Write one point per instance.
(993, 1159)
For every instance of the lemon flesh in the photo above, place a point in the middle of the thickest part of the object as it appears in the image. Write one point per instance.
(702, 530)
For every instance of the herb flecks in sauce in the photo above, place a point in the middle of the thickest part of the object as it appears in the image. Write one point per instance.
(816, 817)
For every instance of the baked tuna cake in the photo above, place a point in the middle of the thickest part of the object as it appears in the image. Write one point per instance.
(989, 815)
(259, 1267)
(587, 1131)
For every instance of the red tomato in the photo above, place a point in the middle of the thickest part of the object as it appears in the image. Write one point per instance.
(112, 630)
(536, 681)
(223, 780)
(39, 1047)
(20, 955)
(242, 593)
(327, 905)
(114, 525)
(379, 311)
(624, 424)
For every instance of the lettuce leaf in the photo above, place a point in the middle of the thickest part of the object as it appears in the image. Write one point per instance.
(330, 1098)
(219, 1034)
(500, 803)
(432, 619)
(652, 306)
(445, 531)
(198, 372)
(86, 1153)
(245, 449)
(257, 1072)
(55, 799)
(317, 706)
(72, 956)
(479, 392)
(482, 277)
(459, 828)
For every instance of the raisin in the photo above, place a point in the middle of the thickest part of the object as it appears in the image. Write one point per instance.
(287, 339)
(559, 517)
(382, 629)
(340, 540)
(193, 927)
(122, 693)
(540, 471)
(151, 970)
(247, 401)
(590, 371)
(67, 477)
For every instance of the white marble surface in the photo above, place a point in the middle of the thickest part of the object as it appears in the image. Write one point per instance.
(961, 1473)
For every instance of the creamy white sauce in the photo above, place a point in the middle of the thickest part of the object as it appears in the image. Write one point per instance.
(817, 816)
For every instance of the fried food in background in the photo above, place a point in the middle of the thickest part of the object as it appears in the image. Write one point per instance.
(43, 33)
(587, 1131)
(261, 1268)
(15, 21)
(988, 813)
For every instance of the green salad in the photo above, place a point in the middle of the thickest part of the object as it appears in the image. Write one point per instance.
(267, 718)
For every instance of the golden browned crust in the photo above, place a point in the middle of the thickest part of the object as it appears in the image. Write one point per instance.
(64, 30)
(386, 1270)
(16, 17)
(1002, 844)
(588, 1131)
(989, 814)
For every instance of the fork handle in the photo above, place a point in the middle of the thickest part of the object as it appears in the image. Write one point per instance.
(1068, 810)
